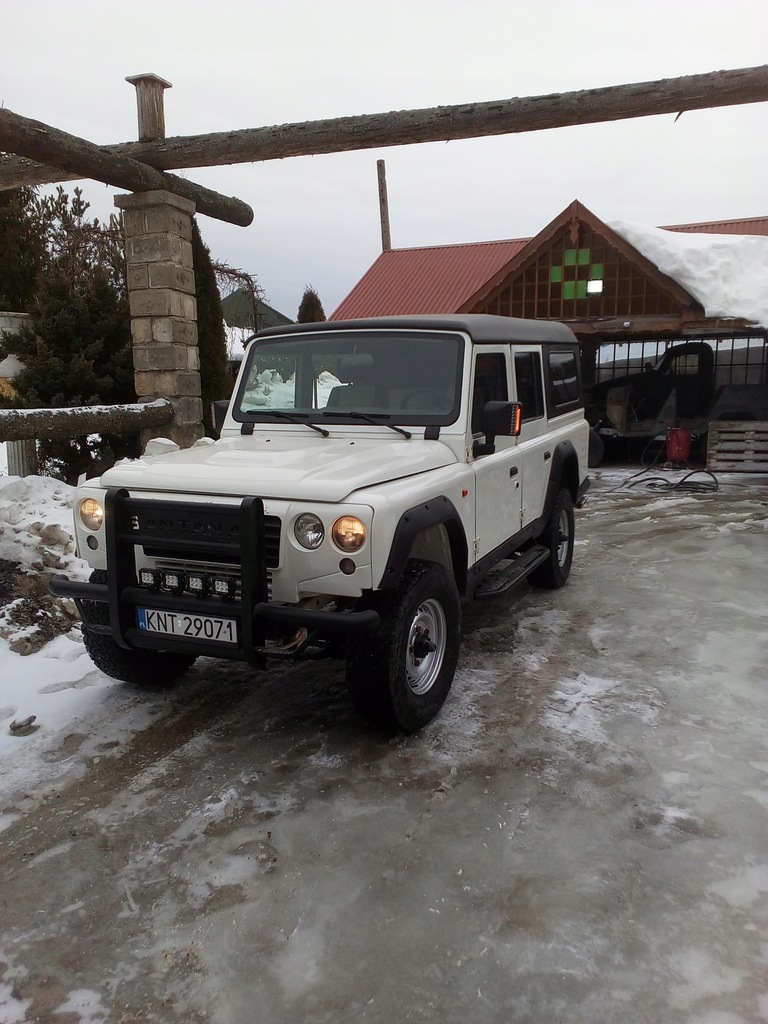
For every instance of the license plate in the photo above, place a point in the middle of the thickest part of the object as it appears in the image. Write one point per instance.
(188, 627)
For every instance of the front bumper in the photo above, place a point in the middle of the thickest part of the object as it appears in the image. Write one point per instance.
(252, 628)
(237, 535)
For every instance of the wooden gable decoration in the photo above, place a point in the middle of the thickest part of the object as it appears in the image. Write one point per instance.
(577, 268)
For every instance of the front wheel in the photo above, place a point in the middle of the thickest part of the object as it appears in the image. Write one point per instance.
(400, 677)
(557, 537)
(151, 669)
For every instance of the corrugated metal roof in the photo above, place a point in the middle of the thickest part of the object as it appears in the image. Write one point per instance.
(433, 279)
(441, 278)
(744, 226)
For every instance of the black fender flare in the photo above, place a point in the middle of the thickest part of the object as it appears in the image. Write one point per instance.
(437, 511)
(563, 472)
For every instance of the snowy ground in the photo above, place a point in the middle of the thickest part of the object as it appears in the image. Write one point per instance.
(580, 836)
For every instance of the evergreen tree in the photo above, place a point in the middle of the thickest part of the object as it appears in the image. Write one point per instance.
(22, 248)
(215, 381)
(311, 308)
(76, 349)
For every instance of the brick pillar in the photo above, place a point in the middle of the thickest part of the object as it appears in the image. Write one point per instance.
(161, 291)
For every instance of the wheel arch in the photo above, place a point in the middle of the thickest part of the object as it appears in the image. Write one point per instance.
(564, 473)
(433, 531)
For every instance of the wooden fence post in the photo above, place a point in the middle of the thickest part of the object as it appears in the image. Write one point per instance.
(22, 457)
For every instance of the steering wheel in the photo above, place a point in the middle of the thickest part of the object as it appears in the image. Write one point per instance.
(434, 399)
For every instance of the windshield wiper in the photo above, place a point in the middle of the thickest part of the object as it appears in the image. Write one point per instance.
(375, 418)
(294, 419)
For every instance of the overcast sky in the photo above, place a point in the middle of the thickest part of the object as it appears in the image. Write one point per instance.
(240, 64)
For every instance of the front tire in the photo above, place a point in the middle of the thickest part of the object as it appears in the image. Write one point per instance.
(557, 537)
(400, 677)
(150, 669)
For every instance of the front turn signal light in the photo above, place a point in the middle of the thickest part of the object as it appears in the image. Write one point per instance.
(91, 514)
(348, 533)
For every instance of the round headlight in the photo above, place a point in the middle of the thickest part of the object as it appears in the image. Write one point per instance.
(348, 533)
(91, 514)
(309, 531)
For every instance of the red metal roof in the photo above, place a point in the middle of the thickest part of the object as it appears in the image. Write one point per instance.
(745, 226)
(441, 278)
(433, 279)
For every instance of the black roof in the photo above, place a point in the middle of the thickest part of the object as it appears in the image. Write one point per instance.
(482, 328)
(238, 311)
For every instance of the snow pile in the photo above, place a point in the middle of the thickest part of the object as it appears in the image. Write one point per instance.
(36, 523)
(727, 274)
(56, 681)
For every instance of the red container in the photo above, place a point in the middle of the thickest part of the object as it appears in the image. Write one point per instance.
(678, 444)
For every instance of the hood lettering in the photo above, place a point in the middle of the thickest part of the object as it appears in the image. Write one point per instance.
(167, 526)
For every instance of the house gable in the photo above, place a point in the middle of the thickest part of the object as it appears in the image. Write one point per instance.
(579, 269)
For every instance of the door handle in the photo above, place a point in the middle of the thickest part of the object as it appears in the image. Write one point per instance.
(513, 471)
(547, 455)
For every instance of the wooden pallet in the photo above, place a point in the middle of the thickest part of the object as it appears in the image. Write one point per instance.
(737, 446)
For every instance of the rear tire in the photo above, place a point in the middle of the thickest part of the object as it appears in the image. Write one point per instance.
(154, 670)
(557, 537)
(399, 677)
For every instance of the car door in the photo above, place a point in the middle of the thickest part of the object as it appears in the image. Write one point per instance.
(534, 445)
(497, 475)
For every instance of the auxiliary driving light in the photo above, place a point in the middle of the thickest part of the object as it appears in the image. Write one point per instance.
(174, 580)
(198, 583)
(225, 586)
(150, 578)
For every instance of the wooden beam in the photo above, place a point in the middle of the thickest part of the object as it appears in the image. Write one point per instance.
(82, 159)
(21, 424)
(433, 124)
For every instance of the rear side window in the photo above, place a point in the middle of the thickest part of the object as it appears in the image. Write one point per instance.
(563, 381)
(529, 389)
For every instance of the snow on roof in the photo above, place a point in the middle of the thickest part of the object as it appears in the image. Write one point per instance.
(727, 274)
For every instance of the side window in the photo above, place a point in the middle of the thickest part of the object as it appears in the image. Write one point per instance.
(564, 391)
(686, 364)
(529, 389)
(490, 384)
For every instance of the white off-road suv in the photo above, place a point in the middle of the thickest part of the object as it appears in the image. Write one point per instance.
(369, 475)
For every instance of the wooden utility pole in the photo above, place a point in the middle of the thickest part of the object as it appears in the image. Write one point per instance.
(386, 238)
(433, 124)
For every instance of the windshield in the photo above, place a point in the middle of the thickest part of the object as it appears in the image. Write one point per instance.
(390, 376)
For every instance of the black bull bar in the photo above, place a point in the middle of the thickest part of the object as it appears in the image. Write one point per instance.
(231, 534)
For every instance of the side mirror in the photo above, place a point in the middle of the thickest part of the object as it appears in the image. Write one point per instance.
(219, 414)
(501, 419)
(498, 419)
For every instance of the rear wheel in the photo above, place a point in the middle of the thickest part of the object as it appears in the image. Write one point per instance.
(557, 537)
(400, 677)
(151, 669)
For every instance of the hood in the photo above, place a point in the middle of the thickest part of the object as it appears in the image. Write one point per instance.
(274, 466)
